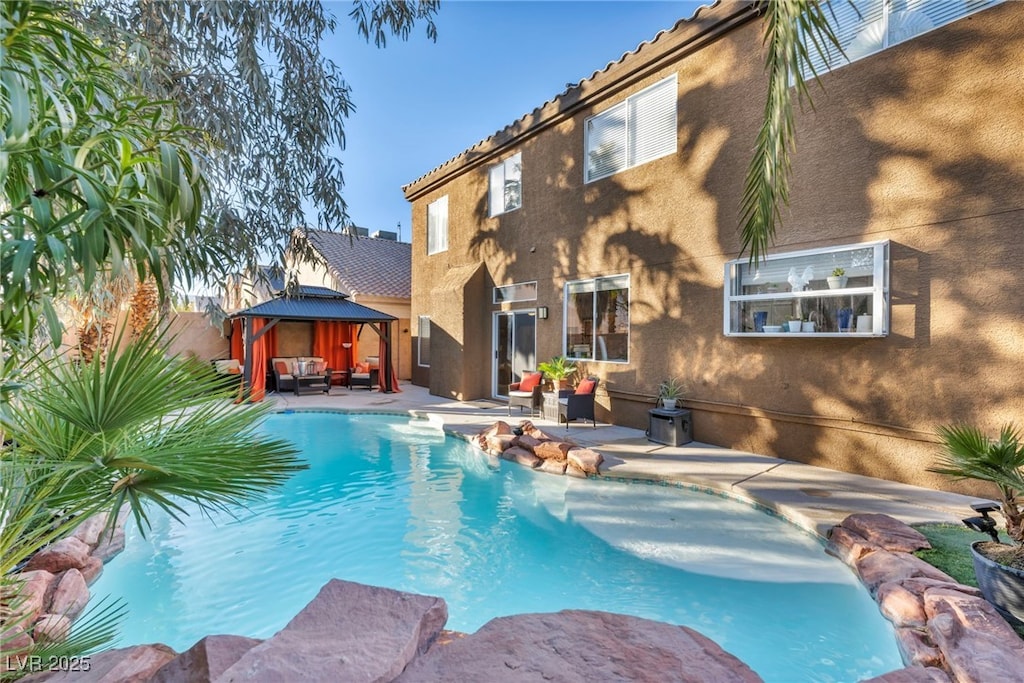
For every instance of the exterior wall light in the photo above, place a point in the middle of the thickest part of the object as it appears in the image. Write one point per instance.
(542, 312)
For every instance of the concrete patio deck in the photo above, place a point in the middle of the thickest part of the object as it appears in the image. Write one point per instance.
(814, 498)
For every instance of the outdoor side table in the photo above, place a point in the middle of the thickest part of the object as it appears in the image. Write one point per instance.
(670, 427)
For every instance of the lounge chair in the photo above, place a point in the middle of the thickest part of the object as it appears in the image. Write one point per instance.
(580, 404)
(365, 374)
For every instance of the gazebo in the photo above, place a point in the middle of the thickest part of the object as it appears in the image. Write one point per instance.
(337, 326)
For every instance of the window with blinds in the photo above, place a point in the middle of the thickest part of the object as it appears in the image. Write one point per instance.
(866, 27)
(437, 226)
(506, 181)
(641, 129)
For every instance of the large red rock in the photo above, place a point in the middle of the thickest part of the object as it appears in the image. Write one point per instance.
(349, 632)
(900, 606)
(848, 546)
(586, 460)
(977, 644)
(111, 543)
(34, 593)
(134, 664)
(541, 435)
(912, 674)
(92, 569)
(521, 456)
(206, 660)
(71, 595)
(886, 532)
(88, 532)
(552, 450)
(526, 441)
(920, 584)
(879, 567)
(17, 643)
(553, 466)
(67, 553)
(52, 628)
(576, 646)
(497, 443)
(917, 648)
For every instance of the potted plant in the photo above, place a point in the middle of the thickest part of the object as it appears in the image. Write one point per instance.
(838, 279)
(558, 370)
(999, 567)
(669, 392)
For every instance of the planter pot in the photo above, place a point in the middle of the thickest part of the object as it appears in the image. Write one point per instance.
(1001, 585)
(807, 327)
(864, 323)
(793, 326)
(668, 403)
(836, 281)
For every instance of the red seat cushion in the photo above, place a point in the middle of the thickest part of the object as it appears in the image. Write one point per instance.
(282, 368)
(530, 381)
(586, 386)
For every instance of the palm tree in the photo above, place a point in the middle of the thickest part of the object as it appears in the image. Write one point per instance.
(791, 29)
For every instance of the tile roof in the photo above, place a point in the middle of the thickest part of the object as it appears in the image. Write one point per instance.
(315, 306)
(366, 265)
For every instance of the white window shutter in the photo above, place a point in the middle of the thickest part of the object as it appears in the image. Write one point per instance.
(652, 123)
(606, 143)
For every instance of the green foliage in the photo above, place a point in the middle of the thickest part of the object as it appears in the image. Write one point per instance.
(671, 388)
(951, 550)
(94, 177)
(558, 368)
(838, 272)
(970, 454)
(791, 27)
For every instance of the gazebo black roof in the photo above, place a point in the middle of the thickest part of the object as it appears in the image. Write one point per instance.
(315, 303)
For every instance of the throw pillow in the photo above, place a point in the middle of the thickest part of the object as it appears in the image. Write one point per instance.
(362, 368)
(281, 367)
(530, 381)
(586, 386)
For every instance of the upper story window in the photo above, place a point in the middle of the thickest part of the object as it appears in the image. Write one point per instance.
(641, 129)
(596, 319)
(437, 226)
(507, 185)
(521, 291)
(864, 28)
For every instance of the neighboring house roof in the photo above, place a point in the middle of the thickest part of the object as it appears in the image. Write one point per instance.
(688, 35)
(367, 266)
(315, 303)
(274, 277)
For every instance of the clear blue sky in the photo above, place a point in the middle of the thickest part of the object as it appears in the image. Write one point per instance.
(420, 103)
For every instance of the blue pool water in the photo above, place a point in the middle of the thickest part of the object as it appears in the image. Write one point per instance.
(396, 503)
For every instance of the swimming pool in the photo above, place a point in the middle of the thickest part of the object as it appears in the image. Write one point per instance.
(396, 503)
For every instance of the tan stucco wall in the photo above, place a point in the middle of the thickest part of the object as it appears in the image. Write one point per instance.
(922, 144)
(192, 334)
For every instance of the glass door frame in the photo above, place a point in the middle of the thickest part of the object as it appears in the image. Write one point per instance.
(495, 361)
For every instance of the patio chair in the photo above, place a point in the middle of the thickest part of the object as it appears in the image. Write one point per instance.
(283, 377)
(362, 375)
(579, 405)
(526, 393)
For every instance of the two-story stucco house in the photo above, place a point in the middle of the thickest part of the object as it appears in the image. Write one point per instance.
(604, 225)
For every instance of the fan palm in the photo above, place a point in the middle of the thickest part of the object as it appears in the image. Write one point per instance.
(970, 454)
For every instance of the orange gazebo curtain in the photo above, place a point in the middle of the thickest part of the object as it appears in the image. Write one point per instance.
(382, 353)
(237, 340)
(263, 349)
(328, 337)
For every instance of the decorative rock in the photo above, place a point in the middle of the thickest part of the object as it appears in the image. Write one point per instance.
(540, 434)
(521, 456)
(919, 585)
(976, 643)
(32, 596)
(848, 546)
(92, 570)
(553, 466)
(912, 674)
(71, 595)
(67, 553)
(496, 443)
(134, 664)
(206, 660)
(16, 643)
(586, 460)
(881, 566)
(349, 632)
(577, 645)
(900, 606)
(526, 441)
(88, 532)
(916, 647)
(886, 532)
(572, 470)
(52, 628)
(110, 545)
(552, 450)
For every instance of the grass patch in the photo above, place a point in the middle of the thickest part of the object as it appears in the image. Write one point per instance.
(951, 550)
